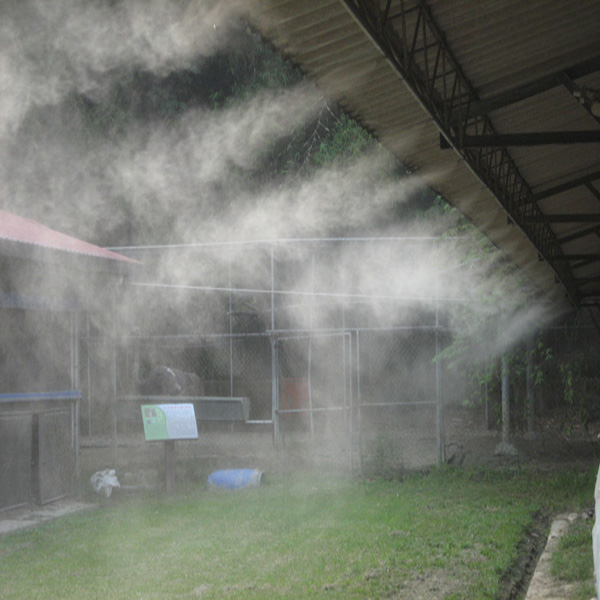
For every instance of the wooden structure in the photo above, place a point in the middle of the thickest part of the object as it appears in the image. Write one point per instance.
(43, 286)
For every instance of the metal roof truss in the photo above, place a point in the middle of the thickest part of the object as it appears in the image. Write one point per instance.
(409, 38)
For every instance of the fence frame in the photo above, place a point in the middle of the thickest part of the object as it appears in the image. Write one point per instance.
(277, 335)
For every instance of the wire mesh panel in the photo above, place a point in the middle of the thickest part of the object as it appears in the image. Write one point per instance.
(397, 399)
(15, 463)
(251, 369)
(314, 376)
(35, 355)
(226, 366)
(38, 445)
(314, 404)
(55, 455)
(283, 324)
(97, 385)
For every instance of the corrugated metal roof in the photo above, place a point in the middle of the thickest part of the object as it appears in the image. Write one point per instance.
(410, 69)
(14, 228)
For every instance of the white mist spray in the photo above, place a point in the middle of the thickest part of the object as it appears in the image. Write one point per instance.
(187, 180)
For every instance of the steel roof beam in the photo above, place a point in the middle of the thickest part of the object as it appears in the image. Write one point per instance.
(563, 218)
(416, 48)
(583, 263)
(592, 190)
(503, 140)
(480, 108)
(587, 280)
(563, 187)
(579, 257)
(579, 234)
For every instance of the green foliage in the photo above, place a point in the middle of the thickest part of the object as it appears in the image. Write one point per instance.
(500, 293)
(566, 371)
(578, 377)
(252, 66)
(482, 376)
(133, 96)
(346, 142)
(542, 355)
(331, 137)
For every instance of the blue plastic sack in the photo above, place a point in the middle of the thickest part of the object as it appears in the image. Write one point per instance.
(234, 479)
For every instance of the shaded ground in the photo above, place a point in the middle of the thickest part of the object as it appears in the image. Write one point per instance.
(17, 519)
(558, 441)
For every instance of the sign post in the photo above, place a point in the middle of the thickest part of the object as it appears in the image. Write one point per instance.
(170, 466)
(167, 423)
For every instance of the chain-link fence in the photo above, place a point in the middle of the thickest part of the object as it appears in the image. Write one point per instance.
(320, 381)
(362, 399)
(368, 399)
(399, 399)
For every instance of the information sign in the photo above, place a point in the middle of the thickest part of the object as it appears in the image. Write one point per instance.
(165, 422)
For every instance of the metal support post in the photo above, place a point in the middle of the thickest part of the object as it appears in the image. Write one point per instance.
(170, 466)
(486, 406)
(358, 403)
(351, 400)
(439, 403)
(230, 333)
(113, 412)
(505, 399)
(75, 386)
(530, 389)
(274, 361)
(275, 391)
(89, 364)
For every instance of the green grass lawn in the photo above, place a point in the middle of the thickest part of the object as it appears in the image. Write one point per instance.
(573, 561)
(449, 534)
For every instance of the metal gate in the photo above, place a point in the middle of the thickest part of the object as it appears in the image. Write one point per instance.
(55, 455)
(15, 462)
(314, 373)
(399, 405)
(370, 396)
(39, 444)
